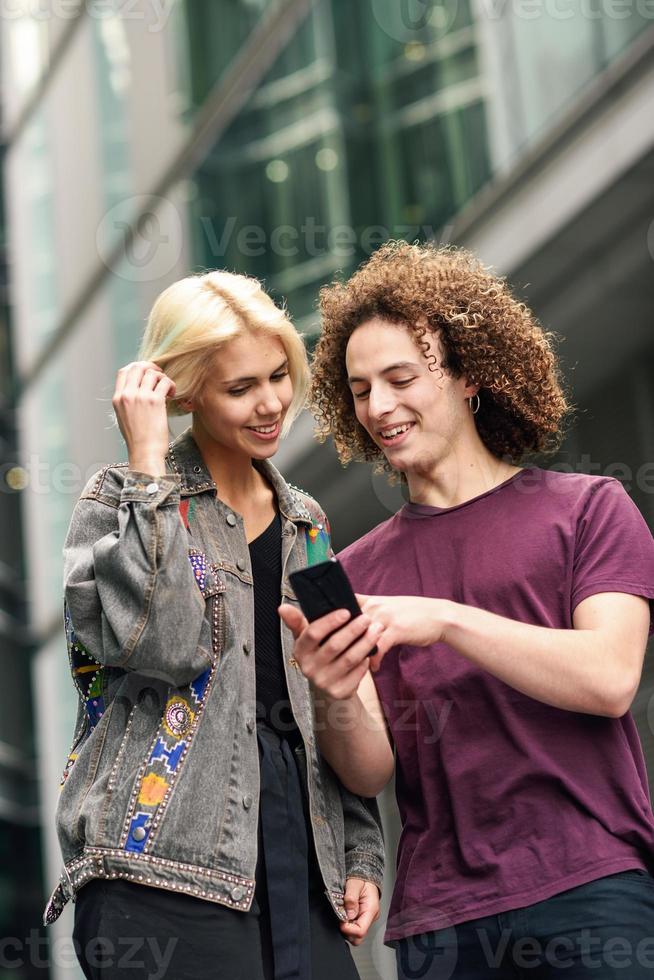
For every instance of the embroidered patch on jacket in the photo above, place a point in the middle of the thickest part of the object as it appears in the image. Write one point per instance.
(87, 675)
(199, 686)
(198, 562)
(86, 671)
(318, 543)
(177, 727)
(176, 730)
(70, 762)
(178, 717)
(187, 511)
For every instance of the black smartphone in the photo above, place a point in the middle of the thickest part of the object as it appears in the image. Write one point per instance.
(322, 588)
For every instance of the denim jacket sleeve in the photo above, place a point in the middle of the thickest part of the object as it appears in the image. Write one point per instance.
(364, 840)
(128, 583)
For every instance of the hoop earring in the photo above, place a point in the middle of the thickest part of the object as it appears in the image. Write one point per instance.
(474, 410)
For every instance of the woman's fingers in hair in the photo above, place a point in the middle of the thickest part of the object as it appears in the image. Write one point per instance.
(148, 380)
(165, 386)
(145, 375)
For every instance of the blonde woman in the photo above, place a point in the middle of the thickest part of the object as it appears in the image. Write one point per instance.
(202, 834)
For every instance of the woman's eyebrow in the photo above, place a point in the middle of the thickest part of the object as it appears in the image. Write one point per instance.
(387, 370)
(235, 381)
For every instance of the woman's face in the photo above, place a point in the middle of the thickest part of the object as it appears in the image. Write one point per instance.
(246, 397)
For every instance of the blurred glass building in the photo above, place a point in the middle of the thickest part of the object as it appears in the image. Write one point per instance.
(288, 139)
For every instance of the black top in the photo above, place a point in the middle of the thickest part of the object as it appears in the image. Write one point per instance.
(273, 705)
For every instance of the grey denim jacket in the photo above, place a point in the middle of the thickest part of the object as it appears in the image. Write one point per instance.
(162, 782)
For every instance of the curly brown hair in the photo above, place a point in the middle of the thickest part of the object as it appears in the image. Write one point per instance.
(486, 335)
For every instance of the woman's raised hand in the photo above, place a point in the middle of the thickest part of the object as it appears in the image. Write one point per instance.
(139, 402)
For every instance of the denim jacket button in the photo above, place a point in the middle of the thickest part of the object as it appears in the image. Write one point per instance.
(231, 520)
(138, 833)
(249, 725)
(240, 564)
(246, 649)
(152, 488)
(247, 802)
(238, 893)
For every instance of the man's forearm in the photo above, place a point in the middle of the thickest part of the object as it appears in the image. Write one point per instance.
(574, 669)
(353, 739)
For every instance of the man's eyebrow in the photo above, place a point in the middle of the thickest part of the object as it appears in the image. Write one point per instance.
(387, 370)
(236, 381)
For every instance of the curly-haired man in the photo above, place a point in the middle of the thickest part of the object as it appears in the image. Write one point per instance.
(509, 609)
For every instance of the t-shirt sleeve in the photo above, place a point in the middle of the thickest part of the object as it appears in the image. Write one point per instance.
(614, 549)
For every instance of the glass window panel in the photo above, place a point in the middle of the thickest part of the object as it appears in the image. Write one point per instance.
(309, 179)
(216, 30)
(620, 32)
(553, 59)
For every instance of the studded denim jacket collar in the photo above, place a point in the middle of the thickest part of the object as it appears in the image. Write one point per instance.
(187, 463)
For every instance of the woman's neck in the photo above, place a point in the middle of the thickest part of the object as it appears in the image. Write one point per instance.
(239, 483)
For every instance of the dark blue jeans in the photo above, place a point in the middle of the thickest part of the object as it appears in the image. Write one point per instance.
(599, 931)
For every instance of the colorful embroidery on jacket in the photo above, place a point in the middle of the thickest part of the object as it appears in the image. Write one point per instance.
(198, 562)
(87, 675)
(178, 724)
(318, 542)
(176, 730)
(187, 511)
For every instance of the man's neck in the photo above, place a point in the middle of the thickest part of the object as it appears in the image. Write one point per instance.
(455, 480)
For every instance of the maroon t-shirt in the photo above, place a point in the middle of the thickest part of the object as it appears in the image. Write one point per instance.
(506, 801)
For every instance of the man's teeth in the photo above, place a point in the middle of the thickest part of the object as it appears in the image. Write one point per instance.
(264, 428)
(389, 433)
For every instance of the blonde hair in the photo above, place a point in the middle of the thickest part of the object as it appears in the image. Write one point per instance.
(196, 316)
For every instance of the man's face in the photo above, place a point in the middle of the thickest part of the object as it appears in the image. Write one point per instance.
(415, 415)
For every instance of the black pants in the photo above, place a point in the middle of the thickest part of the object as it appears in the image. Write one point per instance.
(125, 931)
(603, 930)
(162, 935)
